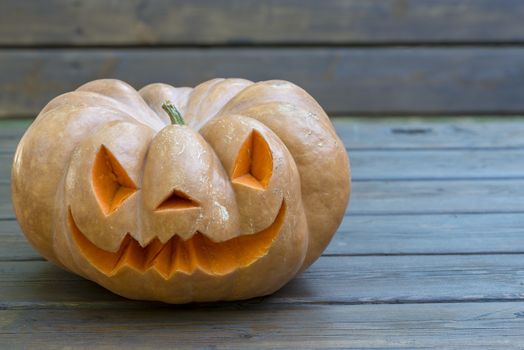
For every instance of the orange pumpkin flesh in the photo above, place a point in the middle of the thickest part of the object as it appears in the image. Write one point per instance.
(177, 200)
(254, 165)
(229, 207)
(110, 181)
(178, 255)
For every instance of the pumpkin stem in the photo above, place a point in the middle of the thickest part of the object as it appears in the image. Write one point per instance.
(173, 113)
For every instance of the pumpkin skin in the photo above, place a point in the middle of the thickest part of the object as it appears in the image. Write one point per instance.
(230, 206)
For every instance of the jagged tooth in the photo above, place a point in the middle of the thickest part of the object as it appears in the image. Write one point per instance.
(151, 252)
(162, 261)
(174, 248)
(182, 257)
(175, 257)
(192, 257)
(132, 256)
(198, 253)
(136, 256)
(209, 252)
(201, 252)
(122, 252)
(234, 249)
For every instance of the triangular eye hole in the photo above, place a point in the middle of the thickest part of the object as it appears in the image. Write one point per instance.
(177, 200)
(111, 182)
(254, 164)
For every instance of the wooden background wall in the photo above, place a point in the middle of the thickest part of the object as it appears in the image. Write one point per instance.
(358, 57)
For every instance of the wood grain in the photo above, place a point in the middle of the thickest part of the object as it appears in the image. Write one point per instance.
(374, 235)
(353, 280)
(423, 326)
(412, 165)
(430, 253)
(400, 133)
(208, 22)
(429, 257)
(429, 234)
(437, 165)
(421, 197)
(344, 80)
(431, 133)
(408, 197)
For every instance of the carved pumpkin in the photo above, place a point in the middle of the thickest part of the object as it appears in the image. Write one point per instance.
(109, 185)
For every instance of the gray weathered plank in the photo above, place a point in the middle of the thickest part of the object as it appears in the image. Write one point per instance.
(412, 165)
(344, 80)
(431, 132)
(437, 196)
(375, 235)
(13, 244)
(42, 305)
(424, 164)
(428, 234)
(428, 133)
(383, 162)
(357, 279)
(11, 130)
(426, 326)
(407, 197)
(60, 22)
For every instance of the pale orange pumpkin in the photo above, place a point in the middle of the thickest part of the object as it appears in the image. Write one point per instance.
(109, 185)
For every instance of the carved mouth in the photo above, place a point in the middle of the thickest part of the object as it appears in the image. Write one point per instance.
(177, 255)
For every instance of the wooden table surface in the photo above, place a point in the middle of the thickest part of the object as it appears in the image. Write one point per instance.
(429, 255)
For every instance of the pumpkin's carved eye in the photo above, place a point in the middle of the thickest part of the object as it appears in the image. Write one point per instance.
(254, 163)
(111, 182)
(177, 200)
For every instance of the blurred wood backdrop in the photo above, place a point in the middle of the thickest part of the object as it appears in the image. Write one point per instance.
(357, 57)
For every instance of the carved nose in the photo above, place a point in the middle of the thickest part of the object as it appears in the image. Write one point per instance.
(185, 189)
(177, 200)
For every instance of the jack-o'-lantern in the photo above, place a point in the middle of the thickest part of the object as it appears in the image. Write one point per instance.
(112, 184)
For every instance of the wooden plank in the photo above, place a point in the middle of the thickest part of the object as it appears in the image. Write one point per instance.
(207, 22)
(412, 165)
(431, 133)
(407, 197)
(427, 326)
(388, 163)
(428, 234)
(11, 130)
(344, 80)
(355, 280)
(405, 133)
(420, 197)
(14, 245)
(424, 164)
(374, 235)
(6, 207)
(6, 160)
